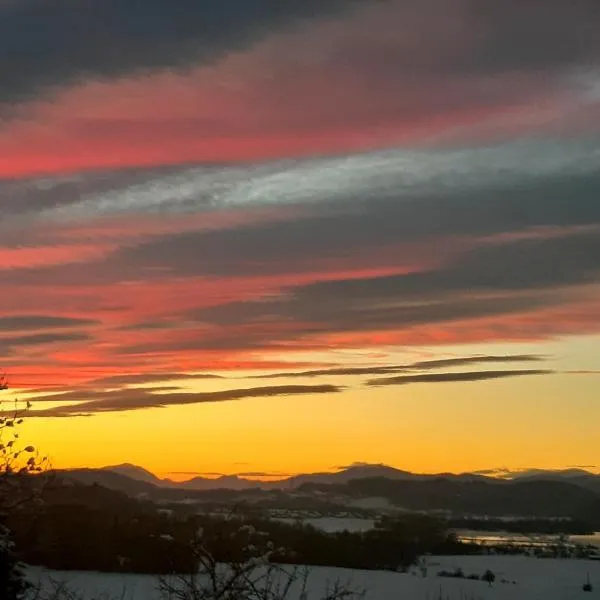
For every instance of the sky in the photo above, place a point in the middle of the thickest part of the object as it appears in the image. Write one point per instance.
(277, 237)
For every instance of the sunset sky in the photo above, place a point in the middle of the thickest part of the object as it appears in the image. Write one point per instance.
(270, 237)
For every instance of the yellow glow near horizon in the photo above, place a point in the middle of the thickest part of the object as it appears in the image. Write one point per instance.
(516, 423)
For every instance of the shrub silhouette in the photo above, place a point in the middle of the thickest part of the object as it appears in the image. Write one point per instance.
(18, 463)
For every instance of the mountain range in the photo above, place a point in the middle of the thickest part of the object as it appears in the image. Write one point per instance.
(132, 478)
(373, 489)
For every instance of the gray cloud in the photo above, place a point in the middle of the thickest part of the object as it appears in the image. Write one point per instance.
(537, 34)
(299, 320)
(474, 360)
(33, 322)
(338, 314)
(455, 377)
(62, 42)
(381, 218)
(91, 402)
(146, 378)
(386, 369)
(498, 246)
(397, 180)
(41, 339)
(500, 278)
(526, 265)
(381, 370)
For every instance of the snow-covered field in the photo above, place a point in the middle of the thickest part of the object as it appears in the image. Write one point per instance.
(536, 579)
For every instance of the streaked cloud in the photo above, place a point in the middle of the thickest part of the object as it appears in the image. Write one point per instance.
(421, 365)
(474, 360)
(456, 377)
(209, 189)
(205, 84)
(40, 339)
(147, 378)
(98, 401)
(59, 44)
(33, 322)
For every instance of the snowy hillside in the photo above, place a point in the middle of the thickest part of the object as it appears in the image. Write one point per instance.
(535, 579)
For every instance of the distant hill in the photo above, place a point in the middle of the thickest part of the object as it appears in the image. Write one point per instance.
(91, 494)
(579, 477)
(498, 498)
(229, 482)
(108, 479)
(538, 494)
(134, 475)
(344, 476)
(548, 474)
(590, 482)
(234, 482)
(137, 473)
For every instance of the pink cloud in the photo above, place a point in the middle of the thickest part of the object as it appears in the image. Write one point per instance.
(365, 81)
(166, 323)
(170, 277)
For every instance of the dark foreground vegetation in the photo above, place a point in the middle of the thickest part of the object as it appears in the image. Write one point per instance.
(92, 528)
(537, 499)
(525, 526)
(53, 521)
(573, 501)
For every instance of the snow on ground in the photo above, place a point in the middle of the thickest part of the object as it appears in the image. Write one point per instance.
(536, 579)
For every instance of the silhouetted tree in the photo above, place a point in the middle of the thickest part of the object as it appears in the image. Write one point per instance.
(17, 463)
(249, 572)
(489, 577)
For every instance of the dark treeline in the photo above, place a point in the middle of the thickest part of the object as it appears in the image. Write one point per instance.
(538, 499)
(91, 528)
(525, 526)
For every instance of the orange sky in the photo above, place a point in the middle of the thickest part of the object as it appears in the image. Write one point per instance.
(425, 428)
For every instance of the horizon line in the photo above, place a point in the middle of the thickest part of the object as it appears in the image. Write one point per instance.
(274, 477)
